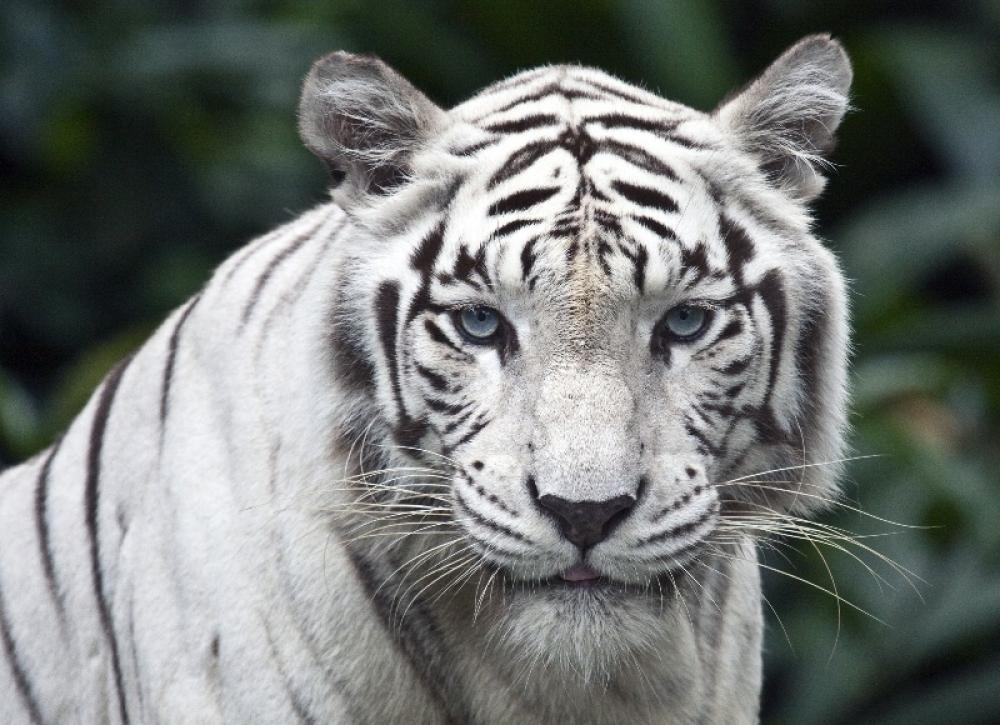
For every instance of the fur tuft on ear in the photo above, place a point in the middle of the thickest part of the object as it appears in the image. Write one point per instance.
(365, 121)
(788, 116)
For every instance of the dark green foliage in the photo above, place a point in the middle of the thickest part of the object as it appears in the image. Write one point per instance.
(144, 141)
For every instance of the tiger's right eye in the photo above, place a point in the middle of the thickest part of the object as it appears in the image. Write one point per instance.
(479, 324)
(685, 322)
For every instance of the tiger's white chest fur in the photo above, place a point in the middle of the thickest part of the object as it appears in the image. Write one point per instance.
(471, 444)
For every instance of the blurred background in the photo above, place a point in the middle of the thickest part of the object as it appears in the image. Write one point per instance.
(143, 141)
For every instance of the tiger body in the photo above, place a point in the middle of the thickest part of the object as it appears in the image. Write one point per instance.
(310, 497)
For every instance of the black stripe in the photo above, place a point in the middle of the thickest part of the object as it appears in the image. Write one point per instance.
(513, 226)
(42, 526)
(521, 200)
(443, 407)
(546, 90)
(723, 584)
(249, 252)
(603, 250)
(416, 637)
(426, 254)
(703, 441)
(656, 227)
(736, 366)
(168, 370)
(386, 318)
(438, 336)
(739, 247)
(526, 123)
(640, 260)
(466, 264)
(473, 149)
(423, 260)
(622, 120)
(21, 681)
(734, 328)
(528, 257)
(489, 523)
(473, 431)
(454, 425)
(679, 530)
(91, 501)
(294, 699)
(811, 348)
(696, 259)
(280, 257)
(352, 365)
(644, 196)
(608, 223)
(772, 291)
(662, 128)
(135, 655)
(617, 92)
(521, 160)
(579, 143)
(436, 381)
(638, 157)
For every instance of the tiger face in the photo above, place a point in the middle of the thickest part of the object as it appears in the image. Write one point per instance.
(599, 315)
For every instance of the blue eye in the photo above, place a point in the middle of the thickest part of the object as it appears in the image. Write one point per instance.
(686, 322)
(479, 323)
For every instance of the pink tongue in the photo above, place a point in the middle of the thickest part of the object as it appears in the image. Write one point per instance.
(579, 573)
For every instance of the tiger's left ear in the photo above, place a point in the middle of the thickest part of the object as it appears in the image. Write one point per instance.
(365, 122)
(788, 116)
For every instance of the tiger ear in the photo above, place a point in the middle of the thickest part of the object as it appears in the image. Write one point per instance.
(788, 116)
(364, 121)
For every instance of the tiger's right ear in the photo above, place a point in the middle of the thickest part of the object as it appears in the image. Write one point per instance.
(364, 121)
(789, 116)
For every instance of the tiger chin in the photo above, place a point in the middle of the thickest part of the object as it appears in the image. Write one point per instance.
(488, 438)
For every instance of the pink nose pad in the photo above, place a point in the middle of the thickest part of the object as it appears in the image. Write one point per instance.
(580, 573)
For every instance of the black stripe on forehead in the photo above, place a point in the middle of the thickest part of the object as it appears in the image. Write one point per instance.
(551, 89)
(740, 249)
(621, 93)
(645, 196)
(662, 128)
(521, 160)
(423, 260)
(521, 200)
(528, 258)
(425, 255)
(663, 232)
(622, 120)
(512, 226)
(466, 264)
(638, 157)
(525, 123)
(639, 259)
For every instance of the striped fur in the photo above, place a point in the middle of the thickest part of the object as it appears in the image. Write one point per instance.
(309, 497)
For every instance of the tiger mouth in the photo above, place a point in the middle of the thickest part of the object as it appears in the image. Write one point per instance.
(584, 579)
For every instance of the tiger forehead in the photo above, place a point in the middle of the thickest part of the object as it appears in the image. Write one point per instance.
(563, 90)
(567, 226)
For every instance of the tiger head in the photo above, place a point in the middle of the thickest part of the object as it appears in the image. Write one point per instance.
(599, 317)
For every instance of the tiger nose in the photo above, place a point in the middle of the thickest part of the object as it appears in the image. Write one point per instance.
(586, 523)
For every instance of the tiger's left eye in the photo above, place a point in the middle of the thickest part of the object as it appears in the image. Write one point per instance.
(686, 322)
(479, 323)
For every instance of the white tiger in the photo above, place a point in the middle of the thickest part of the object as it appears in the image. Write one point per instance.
(470, 444)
